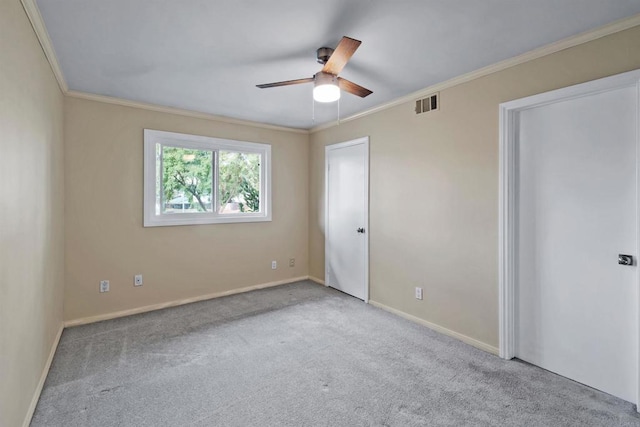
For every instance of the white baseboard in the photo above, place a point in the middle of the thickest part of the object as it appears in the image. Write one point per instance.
(468, 340)
(153, 307)
(318, 281)
(43, 378)
(92, 319)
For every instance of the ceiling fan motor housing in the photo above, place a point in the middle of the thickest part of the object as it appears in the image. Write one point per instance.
(322, 78)
(323, 54)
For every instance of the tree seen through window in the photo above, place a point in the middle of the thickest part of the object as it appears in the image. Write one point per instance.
(187, 181)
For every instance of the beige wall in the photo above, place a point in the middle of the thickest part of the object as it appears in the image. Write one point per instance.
(105, 238)
(434, 187)
(31, 212)
(434, 182)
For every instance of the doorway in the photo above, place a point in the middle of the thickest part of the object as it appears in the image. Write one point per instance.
(569, 233)
(347, 217)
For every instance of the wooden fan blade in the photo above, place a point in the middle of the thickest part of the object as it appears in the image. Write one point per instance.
(353, 88)
(341, 55)
(286, 83)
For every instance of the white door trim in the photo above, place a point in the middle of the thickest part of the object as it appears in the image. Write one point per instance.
(363, 140)
(509, 130)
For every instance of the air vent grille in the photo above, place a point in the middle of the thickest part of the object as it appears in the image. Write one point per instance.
(430, 103)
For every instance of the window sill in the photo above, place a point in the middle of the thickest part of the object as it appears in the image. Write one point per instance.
(171, 220)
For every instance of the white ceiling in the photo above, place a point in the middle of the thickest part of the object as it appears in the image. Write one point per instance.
(207, 55)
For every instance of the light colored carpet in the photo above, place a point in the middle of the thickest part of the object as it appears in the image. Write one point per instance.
(299, 355)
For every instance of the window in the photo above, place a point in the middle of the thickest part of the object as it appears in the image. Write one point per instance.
(191, 179)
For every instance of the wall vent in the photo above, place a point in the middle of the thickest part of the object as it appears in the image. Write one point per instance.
(430, 103)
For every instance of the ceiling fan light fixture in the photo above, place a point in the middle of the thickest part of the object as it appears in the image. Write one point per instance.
(326, 88)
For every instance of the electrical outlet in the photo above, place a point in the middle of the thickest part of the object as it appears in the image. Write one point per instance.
(104, 286)
(137, 280)
(418, 293)
(292, 262)
(274, 265)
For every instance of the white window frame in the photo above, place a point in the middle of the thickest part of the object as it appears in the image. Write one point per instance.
(180, 140)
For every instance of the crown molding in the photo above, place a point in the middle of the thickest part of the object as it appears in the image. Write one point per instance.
(614, 27)
(35, 18)
(179, 111)
(33, 13)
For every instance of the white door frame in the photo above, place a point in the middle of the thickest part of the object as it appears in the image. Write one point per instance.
(364, 140)
(509, 130)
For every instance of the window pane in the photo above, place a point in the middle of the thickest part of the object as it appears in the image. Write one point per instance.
(187, 179)
(239, 182)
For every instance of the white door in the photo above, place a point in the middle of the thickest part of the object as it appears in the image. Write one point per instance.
(347, 212)
(576, 306)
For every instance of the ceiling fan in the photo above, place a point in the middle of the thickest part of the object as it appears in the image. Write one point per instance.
(326, 82)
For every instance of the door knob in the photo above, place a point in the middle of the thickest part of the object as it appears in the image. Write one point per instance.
(360, 230)
(625, 259)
